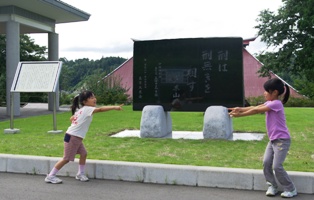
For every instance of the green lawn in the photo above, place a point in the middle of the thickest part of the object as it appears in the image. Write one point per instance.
(33, 139)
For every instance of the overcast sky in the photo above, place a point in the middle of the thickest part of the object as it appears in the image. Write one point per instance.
(113, 24)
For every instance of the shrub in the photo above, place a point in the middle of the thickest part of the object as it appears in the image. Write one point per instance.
(292, 102)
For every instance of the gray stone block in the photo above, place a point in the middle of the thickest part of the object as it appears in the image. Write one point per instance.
(71, 168)
(226, 178)
(28, 164)
(171, 174)
(303, 181)
(217, 123)
(259, 181)
(3, 162)
(168, 123)
(124, 171)
(155, 122)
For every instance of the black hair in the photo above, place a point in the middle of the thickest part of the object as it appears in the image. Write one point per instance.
(276, 84)
(79, 99)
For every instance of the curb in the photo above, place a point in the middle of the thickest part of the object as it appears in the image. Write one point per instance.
(232, 178)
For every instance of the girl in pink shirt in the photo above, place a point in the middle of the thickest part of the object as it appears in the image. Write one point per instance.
(73, 139)
(278, 134)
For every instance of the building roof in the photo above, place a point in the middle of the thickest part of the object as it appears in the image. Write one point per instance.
(45, 11)
(247, 41)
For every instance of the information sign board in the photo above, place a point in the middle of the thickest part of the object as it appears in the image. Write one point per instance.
(39, 76)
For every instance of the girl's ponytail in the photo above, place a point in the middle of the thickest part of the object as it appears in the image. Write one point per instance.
(287, 94)
(75, 104)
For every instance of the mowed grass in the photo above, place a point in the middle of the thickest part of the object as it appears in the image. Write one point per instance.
(33, 139)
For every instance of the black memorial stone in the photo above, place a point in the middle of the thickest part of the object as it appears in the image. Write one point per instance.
(188, 74)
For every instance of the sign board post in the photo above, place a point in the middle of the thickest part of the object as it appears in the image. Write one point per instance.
(11, 129)
(36, 76)
(55, 116)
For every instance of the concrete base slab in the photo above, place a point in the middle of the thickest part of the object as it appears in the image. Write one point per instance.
(55, 131)
(194, 135)
(11, 131)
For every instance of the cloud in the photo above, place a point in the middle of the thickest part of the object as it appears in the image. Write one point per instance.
(105, 49)
(112, 24)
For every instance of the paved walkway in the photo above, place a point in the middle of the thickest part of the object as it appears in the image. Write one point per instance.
(31, 109)
(22, 186)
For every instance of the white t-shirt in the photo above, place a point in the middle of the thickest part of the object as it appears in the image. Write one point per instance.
(81, 121)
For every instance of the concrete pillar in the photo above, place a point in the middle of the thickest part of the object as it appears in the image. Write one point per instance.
(12, 60)
(53, 55)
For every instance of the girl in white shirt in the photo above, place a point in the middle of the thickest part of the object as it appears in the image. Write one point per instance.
(73, 139)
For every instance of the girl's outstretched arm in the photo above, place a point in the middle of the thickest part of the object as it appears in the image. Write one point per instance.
(246, 111)
(107, 108)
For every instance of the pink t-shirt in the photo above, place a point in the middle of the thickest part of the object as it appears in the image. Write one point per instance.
(81, 121)
(276, 121)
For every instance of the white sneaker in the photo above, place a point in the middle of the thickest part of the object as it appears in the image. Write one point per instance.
(287, 194)
(81, 177)
(52, 179)
(271, 191)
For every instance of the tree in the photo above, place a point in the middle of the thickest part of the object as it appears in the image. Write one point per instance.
(75, 72)
(29, 51)
(107, 91)
(290, 33)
